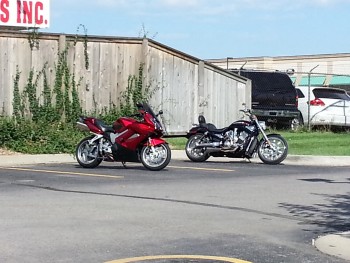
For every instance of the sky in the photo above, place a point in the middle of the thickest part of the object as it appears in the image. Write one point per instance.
(214, 29)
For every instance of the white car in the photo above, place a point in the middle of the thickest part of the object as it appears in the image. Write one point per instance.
(328, 106)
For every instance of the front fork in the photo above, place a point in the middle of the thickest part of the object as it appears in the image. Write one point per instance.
(264, 134)
(152, 142)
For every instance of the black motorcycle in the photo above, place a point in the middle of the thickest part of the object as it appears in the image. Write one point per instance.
(242, 139)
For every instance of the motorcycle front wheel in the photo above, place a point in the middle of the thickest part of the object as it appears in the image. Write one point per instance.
(196, 154)
(274, 153)
(87, 154)
(155, 158)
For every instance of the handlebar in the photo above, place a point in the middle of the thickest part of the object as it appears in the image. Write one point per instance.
(139, 115)
(159, 113)
(248, 113)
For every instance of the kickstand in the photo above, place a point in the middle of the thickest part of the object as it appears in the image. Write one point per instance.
(124, 165)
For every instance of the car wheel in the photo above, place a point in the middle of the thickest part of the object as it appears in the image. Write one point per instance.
(297, 123)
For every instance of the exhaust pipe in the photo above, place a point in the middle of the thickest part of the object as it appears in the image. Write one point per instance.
(211, 147)
(212, 150)
(215, 147)
(212, 144)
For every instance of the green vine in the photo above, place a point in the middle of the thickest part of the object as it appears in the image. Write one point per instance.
(16, 104)
(76, 106)
(30, 93)
(47, 96)
(136, 92)
(60, 103)
(33, 39)
(58, 84)
(66, 80)
(85, 43)
(145, 33)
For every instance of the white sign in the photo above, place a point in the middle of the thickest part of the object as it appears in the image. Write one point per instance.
(25, 13)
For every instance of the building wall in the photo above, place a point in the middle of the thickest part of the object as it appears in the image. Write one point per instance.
(327, 65)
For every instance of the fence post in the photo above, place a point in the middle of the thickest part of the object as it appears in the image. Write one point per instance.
(200, 91)
(61, 43)
(145, 61)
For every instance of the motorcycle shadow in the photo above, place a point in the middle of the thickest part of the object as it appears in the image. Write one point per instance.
(133, 166)
(232, 161)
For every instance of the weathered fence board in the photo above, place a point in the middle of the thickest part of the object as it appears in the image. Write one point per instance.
(183, 86)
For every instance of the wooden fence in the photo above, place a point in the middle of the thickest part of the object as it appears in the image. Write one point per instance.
(184, 86)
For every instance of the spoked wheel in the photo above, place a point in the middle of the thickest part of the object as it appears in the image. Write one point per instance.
(196, 154)
(274, 153)
(155, 158)
(87, 154)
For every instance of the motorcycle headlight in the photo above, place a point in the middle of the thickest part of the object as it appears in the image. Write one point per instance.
(157, 125)
(262, 125)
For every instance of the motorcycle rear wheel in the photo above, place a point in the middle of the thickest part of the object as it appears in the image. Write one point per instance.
(193, 153)
(155, 158)
(87, 154)
(275, 154)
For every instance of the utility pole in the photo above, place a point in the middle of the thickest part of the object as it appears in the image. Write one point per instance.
(227, 62)
(309, 94)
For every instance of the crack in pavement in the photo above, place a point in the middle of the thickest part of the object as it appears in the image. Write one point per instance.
(236, 208)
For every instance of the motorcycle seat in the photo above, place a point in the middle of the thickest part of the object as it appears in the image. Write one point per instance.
(201, 119)
(209, 126)
(212, 128)
(101, 125)
(217, 130)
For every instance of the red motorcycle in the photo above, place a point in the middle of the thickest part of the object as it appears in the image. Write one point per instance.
(128, 140)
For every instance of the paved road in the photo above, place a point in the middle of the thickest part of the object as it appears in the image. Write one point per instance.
(245, 212)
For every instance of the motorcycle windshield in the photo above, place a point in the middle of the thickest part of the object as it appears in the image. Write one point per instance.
(148, 108)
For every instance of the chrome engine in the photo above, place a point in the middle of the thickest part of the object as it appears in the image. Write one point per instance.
(106, 150)
(106, 146)
(233, 140)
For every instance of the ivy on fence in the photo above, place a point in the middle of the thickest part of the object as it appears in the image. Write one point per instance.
(53, 104)
(42, 121)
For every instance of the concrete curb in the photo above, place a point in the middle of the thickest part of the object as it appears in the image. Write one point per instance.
(23, 159)
(27, 159)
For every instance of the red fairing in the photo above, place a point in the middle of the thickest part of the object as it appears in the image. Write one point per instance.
(142, 128)
(128, 140)
(156, 141)
(148, 118)
(130, 127)
(90, 122)
(123, 123)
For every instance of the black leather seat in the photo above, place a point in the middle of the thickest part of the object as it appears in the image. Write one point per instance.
(211, 127)
(105, 128)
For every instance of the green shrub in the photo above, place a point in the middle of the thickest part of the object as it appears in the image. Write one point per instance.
(31, 137)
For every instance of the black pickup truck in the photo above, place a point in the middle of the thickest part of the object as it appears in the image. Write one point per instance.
(274, 97)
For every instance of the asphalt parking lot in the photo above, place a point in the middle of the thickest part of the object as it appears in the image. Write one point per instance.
(210, 212)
